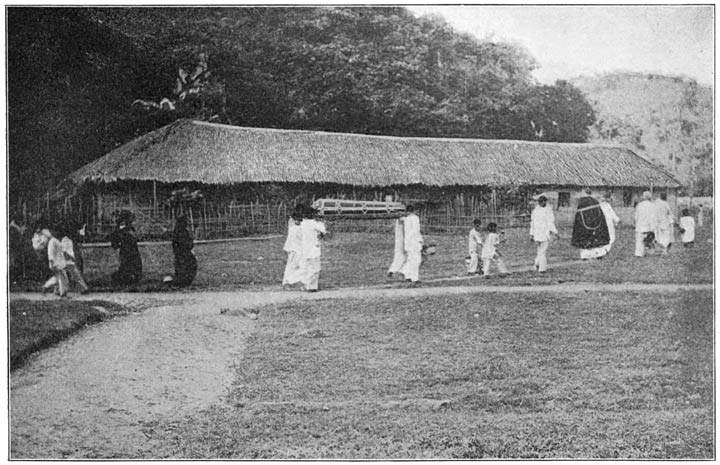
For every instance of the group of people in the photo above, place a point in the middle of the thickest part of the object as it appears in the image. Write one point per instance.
(302, 245)
(655, 225)
(65, 265)
(595, 222)
(56, 254)
(484, 249)
(593, 234)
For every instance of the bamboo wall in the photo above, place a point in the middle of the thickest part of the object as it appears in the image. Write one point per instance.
(226, 212)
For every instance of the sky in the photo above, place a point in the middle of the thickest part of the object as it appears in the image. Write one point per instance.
(568, 41)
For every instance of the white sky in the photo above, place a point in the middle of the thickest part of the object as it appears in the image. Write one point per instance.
(571, 40)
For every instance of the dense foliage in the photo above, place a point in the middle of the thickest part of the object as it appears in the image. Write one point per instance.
(666, 119)
(84, 80)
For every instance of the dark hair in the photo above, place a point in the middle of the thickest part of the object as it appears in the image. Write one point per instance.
(663, 195)
(685, 212)
(299, 212)
(410, 208)
(492, 227)
(180, 222)
(125, 216)
(477, 222)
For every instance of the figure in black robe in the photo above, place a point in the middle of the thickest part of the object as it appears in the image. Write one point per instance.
(185, 261)
(123, 238)
(590, 228)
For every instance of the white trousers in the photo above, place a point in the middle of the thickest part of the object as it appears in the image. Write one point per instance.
(541, 257)
(639, 245)
(59, 281)
(293, 269)
(411, 267)
(474, 261)
(487, 261)
(311, 273)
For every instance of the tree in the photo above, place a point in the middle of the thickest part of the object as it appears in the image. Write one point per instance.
(557, 113)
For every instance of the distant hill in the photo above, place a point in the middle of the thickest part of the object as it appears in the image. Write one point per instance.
(668, 120)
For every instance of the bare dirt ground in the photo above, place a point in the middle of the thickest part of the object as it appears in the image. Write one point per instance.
(92, 395)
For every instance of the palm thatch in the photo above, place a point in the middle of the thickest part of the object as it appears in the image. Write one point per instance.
(193, 151)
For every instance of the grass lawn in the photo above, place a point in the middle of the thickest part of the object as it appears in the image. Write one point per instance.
(36, 325)
(361, 259)
(598, 375)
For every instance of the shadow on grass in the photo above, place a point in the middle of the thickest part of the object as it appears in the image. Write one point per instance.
(37, 325)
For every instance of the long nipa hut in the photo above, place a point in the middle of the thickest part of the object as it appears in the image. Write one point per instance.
(211, 169)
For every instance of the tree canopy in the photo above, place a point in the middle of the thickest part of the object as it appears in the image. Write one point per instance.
(84, 80)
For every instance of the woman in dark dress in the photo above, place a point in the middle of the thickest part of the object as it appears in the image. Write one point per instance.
(590, 232)
(123, 238)
(185, 261)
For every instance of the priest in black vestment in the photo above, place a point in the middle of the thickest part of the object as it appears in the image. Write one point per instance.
(590, 233)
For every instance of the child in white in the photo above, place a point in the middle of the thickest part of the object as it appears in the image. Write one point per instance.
(312, 232)
(56, 260)
(687, 228)
(490, 253)
(474, 242)
(293, 247)
(71, 268)
(413, 242)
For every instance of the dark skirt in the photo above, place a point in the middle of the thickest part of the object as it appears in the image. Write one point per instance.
(185, 269)
(590, 228)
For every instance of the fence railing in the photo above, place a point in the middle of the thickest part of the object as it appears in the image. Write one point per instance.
(250, 219)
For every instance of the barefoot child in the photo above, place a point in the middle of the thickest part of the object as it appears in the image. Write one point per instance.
(474, 242)
(490, 253)
(687, 228)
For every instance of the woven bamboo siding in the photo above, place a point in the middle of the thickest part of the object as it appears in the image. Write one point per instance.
(192, 151)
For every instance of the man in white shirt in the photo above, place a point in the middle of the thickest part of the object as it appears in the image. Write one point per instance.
(412, 245)
(293, 247)
(664, 221)
(542, 227)
(312, 232)
(645, 222)
(57, 263)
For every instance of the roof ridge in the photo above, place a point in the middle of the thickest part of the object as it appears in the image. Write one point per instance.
(384, 136)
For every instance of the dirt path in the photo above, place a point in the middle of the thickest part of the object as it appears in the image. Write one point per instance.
(91, 395)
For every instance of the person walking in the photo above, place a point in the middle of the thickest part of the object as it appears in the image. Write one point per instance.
(687, 228)
(610, 217)
(644, 223)
(71, 263)
(490, 252)
(57, 264)
(664, 221)
(312, 233)
(399, 256)
(293, 248)
(412, 245)
(184, 258)
(590, 230)
(123, 239)
(475, 242)
(542, 228)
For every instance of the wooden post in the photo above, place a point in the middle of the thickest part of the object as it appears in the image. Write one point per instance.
(155, 202)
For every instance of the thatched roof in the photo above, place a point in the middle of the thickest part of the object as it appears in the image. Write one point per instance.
(193, 151)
